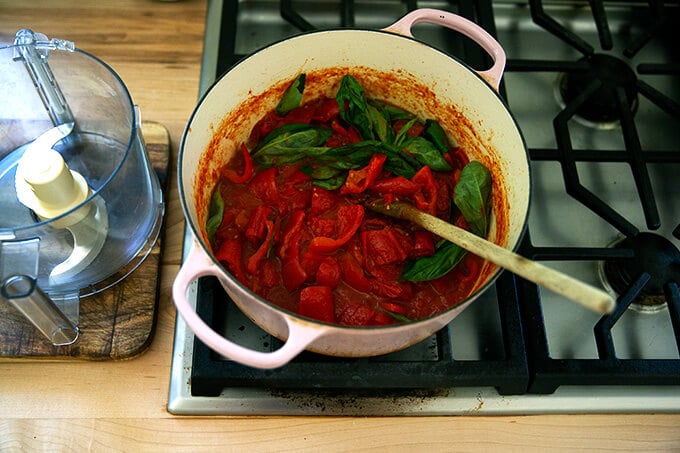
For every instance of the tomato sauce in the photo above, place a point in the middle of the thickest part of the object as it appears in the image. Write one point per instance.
(320, 252)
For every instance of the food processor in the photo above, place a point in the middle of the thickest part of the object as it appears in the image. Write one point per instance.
(80, 204)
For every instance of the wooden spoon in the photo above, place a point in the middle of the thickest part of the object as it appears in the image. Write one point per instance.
(576, 290)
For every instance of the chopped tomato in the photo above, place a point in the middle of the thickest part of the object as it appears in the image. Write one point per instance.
(423, 244)
(342, 136)
(356, 314)
(326, 110)
(263, 186)
(349, 221)
(254, 261)
(317, 302)
(268, 123)
(396, 186)
(353, 273)
(256, 227)
(468, 269)
(300, 115)
(359, 180)
(382, 247)
(293, 189)
(234, 177)
(290, 237)
(329, 273)
(382, 318)
(230, 253)
(293, 274)
(322, 200)
(426, 197)
(393, 307)
(321, 226)
(310, 261)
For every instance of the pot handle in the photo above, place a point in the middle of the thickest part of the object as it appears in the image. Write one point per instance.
(460, 24)
(198, 264)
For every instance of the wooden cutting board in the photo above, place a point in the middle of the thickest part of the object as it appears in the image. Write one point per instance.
(117, 323)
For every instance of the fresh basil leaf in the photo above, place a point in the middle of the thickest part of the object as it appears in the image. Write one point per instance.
(446, 257)
(291, 143)
(354, 107)
(426, 153)
(472, 195)
(399, 162)
(215, 213)
(434, 132)
(402, 135)
(380, 124)
(331, 183)
(287, 130)
(320, 171)
(351, 156)
(390, 112)
(292, 97)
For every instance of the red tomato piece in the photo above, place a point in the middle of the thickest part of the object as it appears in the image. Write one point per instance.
(353, 273)
(423, 244)
(230, 253)
(467, 270)
(293, 274)
(234, 177)
(393, 289)
(342, 136)
(321, 226)
(381, 247)
(359, 180)
(293, 186)
(253, 262)
(256, 227)
(322, 200)
(263, 186)
(288, 245)
(393, 307)
(382, 319)
(326, 110)
(396, 186)
(329, 273)
(356, 314)
(268, 123)
(317, 302)
(310, 261)
(302, 115)
(426, 197)
(349, 221)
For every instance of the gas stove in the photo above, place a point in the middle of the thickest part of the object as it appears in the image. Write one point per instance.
(594, 89)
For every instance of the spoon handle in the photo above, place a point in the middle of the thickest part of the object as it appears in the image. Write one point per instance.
(574, 289)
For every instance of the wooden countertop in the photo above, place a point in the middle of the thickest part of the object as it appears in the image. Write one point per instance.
(156, 49)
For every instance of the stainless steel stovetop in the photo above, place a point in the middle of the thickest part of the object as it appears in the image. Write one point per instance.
(571, 226)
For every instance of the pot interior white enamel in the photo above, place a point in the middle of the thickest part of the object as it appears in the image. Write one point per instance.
(390, 67)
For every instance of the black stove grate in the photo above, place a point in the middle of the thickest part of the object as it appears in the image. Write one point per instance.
(548, 373)
(508, 373)
(526, 365)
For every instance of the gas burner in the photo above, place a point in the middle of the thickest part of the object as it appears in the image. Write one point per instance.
(601, 108)
(654, 255)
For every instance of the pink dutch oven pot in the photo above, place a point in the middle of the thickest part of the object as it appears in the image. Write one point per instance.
(463, 100)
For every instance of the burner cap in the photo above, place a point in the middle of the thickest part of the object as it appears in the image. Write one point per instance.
(601, 106)
(655, 255)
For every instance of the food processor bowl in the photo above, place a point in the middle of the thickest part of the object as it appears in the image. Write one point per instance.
(80, 204)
